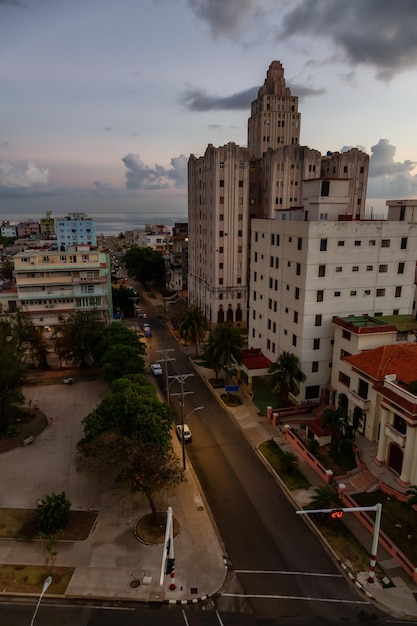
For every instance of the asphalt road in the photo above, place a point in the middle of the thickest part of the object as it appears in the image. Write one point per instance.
(280, 568)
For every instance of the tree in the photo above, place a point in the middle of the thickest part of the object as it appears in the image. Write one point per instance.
(129, 434)
(286, 376)
(225, 347)
(326, 497)
(145, 265)
(211, 358)
(193, 327)
(53, 514)
(337, 421)
(290, 461)
(75, 335)
(412, 496)
(12, 373)
(119, 352)
(6, 269)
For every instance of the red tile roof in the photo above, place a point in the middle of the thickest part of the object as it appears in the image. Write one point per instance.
(254, 360)
(377, 363)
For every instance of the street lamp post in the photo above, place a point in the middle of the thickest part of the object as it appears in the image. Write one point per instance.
(44, 588)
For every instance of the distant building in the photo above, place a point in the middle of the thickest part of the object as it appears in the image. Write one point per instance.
(8, 230)
(74, 230)
(47, 225)
(27, 229)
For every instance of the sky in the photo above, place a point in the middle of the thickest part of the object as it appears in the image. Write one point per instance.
(103, 101)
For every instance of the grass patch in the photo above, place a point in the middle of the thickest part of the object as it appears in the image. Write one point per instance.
(150, 529)
(349, 550)
(21, 524)
(397, 521)
(30, 578)
(217, 383)
(276, 458)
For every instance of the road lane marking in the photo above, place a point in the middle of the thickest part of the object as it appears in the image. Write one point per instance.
(285, 572)
(185, 618)
(276, 597)
(219, 618)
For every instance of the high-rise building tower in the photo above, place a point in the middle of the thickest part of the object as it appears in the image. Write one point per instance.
(275, 120)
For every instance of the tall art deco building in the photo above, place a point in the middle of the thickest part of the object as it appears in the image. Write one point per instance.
(231, 185)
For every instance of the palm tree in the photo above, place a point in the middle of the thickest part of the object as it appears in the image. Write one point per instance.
(326, 497)
(225, 347)
(412, 496)
(290, 460)
(337, 421)
(285, 376)
(193, 326)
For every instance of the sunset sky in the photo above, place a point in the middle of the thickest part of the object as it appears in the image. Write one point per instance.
(103, 101)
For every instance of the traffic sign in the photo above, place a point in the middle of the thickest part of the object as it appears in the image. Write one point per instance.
(230, 388)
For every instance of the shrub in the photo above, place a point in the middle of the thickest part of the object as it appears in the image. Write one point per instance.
(53, 514)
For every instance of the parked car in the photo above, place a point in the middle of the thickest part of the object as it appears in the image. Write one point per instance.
(156, 369)
(187, 433)
(148, 333)
(68, 381)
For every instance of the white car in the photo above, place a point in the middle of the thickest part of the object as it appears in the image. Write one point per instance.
(187, 432)
(156, 369)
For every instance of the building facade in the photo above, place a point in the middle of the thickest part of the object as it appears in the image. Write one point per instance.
(75, 229)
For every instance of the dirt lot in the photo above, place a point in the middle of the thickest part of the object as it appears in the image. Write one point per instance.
(52, 377)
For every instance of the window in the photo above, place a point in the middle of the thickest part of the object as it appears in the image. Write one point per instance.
(254, 295)
(369, 268)
(383, 268)
(372, 242)
(323, 245)
(221, 183)
(367, 292)
(312, 392)
(346, 334)
(400, 424)
(295, 317)
(317, 321)
(220, 281)
(221, 200)
(363, 388)
(322, 271)
(385, 243)
(358, 242)
(271, 261)
(337, 294)
(221, 217)
(299, 243)
(297, 293)
(380, 293)
(400, 268)
(320, 295)
(315, 366)
(221, 233)
(316, 344)
(355, 268)
(339, 268)
(344, 379)
(340, 243)
(353, 293)
(220, 266)
(325, 187)
(344, 353)
(398, 292)
(294, 340)
(240, 233)
(403, 243)
(298, 269)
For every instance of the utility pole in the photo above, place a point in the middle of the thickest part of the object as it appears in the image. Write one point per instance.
(165, 359)
(181, 378)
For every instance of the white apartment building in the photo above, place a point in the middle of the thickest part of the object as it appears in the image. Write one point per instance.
(54, 283)
(303, 273)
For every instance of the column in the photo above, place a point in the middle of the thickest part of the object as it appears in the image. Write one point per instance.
(382, 443)
(408, 455)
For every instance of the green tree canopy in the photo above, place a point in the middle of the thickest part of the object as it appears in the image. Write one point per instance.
(119, 352)
(53, 514)
(286, 376)
(145, 265)
(193, 326)
(129, 433)
(337, 420)
(12, 372)
(76, 334)
(326, 497)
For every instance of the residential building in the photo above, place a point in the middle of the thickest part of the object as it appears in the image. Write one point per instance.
(27, 229)
(75, 229)
(57, 283)
(8, 229)
(47, 225)
(178, 259)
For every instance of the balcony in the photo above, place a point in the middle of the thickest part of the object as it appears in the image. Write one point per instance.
(358, 401)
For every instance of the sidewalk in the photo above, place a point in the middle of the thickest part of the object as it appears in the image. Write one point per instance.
(399, 600)
(112, 563)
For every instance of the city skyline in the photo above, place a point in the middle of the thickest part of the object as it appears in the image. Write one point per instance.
(104, 102)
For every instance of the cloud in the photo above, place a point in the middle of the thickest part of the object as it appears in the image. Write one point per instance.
(224, 17)
(378, 33)
(200, 101)
(140, 176)
(389, 178)
(26, 176)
